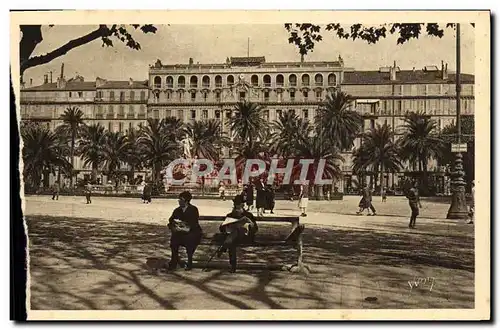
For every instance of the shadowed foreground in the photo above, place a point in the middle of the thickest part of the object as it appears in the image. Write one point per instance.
(99, 264)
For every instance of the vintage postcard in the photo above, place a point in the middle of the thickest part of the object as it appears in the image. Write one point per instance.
(284, 165)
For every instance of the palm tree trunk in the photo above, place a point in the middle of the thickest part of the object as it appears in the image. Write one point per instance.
(73, 138)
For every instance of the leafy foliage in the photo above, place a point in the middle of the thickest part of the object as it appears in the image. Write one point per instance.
(207, 137)
(306, 35)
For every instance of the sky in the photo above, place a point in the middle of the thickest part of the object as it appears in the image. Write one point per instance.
(213, 43)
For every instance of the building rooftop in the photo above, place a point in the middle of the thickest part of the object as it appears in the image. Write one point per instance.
(89, 86)
(402, 77)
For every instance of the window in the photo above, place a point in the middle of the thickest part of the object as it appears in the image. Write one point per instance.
(168, 113)
(69, 94)
(217, 96)
(266, 114)
(132, 95)
(121, 111)
(99, 95)
(266, 96)
(204, 114)
(205, 96)
(305, 113)
(130, 126)
(228, 114)
(180, 114)
(156, 114)
(80, 94)
(292, 95)
(217, 114)
(110, 110)
(193, 96)
(142, 110)
(193, 114)
(306, 94)
(372, 123)
(120, 127)
(122, 96)
(242, 96)
(318, 95)
(278, 113)
(131, 110)
(110, 126)
(143, 95)
(112, 95)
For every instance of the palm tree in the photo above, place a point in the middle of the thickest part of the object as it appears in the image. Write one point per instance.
(174, 128)
(247, 123)
(343, 125)
(285, 133)
(72, 126)
(42, 153)
(133, 152)
(420, 141)
(207, 138)
(92, 146)
(157, 146)
(379, 151)
(315, 148)
(115, 153)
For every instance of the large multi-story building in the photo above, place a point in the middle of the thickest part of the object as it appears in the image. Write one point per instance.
(203, 91)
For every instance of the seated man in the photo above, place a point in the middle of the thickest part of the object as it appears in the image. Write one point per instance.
(239, 226)
(186, 230)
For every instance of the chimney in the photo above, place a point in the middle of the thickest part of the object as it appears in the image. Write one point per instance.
(62, 71)
(31, 82)
(51, 77)
(191, 61)
(445, 71)
(130, 82)
(45, 79)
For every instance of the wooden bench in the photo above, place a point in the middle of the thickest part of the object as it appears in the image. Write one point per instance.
(294, 238)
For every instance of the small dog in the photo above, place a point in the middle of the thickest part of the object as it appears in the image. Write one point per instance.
(155, 264)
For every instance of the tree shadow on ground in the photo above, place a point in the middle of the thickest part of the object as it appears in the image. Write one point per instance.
(96, 264)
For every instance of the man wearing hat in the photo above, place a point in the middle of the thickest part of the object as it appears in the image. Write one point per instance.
(186, 230)
(239, 226)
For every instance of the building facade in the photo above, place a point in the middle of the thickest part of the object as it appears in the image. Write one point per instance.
(192, 92)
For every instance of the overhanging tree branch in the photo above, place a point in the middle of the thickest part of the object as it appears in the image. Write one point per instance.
(100, 32)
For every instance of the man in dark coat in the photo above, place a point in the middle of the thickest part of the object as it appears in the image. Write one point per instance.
(186, 230)
(249, 196)
(148, 189)
(414, 202)
(270, 198)
(239, 226)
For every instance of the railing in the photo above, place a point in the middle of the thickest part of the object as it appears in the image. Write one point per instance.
(110, 116)
(170, 85)
(280, 84)
(181, 85)
(218, 85)
(267, 84)
(206, 85)
(99, 116)
(193, 85)
(157, 86)
(120, 116)
(141, 116)
(293, 84)
(130, 116)
(318, 84)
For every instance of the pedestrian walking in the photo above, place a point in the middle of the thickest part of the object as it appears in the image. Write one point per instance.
(88, 192)
(55, 191)
(472, 204)
(414, 202)
(270, 198)
(148, 189)
(303, 199)
(222, 191)
(384, 195)
(366, 202)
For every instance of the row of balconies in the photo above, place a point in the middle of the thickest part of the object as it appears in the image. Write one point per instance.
(120, 116)
(219, 85)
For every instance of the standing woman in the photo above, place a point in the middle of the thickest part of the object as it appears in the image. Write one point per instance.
(303, 199)
(260, 202)
(186, 230)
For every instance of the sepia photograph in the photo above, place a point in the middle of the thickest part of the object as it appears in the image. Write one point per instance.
(181, 163)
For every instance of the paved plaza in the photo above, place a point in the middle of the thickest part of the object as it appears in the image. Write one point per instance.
(94, 257)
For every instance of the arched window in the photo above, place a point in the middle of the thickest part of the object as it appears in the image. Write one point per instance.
(254, 80)
(157, 82)
(230, 80)
(292, 80)
(305, 80)
(181, 82)
(267, 80)
(193, 82)
(280, 80)
(206, 81)
(318, 79)
(218, 81)
(170, 82)
(332, 79)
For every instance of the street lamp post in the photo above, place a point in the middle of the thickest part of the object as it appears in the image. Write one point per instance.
(458, 207)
